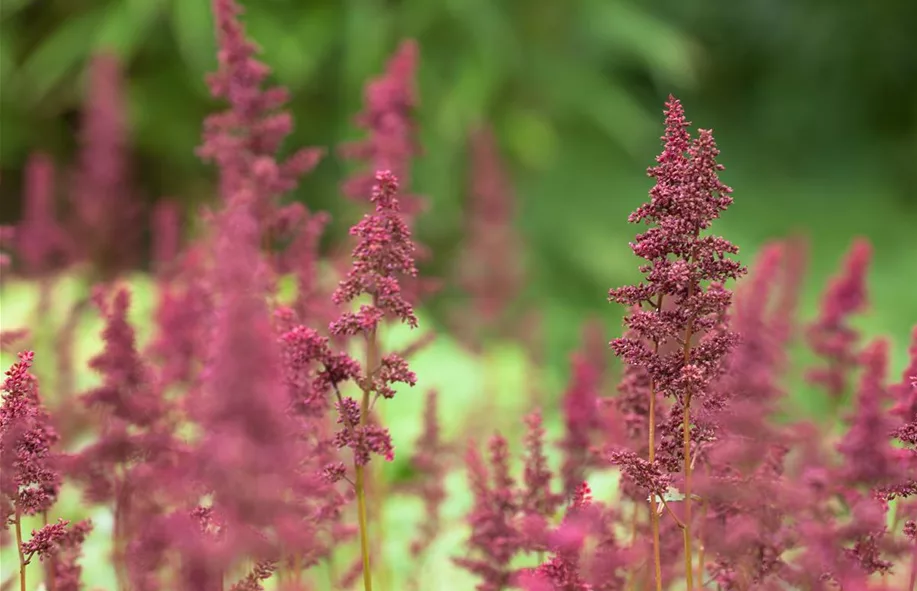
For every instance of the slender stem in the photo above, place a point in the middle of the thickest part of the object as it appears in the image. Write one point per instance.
(364, 538)
(372, 354)
(654, 510)
(22, 563)
(686, 440)
(913, 577)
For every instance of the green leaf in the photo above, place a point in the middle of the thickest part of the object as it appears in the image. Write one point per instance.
(125, 27)
(580, 90)
(531, 137)
(9, 8)
(294, 46)
(467, 99)
(626, 28)
(367, 27)
(62, 52)
(192, 25)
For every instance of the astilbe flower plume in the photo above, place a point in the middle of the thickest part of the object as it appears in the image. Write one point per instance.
(688, 269)
(429, 462)
(489, 270)
(831, 337)
(42, 243)
(495, 539)
(244, 139)
(30, 479)
(383, 255)
(582, 412)
(388, 119)
(106, 209)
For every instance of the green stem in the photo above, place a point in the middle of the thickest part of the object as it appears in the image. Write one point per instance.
(22, 563)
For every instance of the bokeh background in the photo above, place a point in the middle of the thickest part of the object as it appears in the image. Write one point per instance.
(813, 103)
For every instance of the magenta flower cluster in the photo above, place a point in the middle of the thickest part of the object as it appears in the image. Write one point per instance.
(244, 444)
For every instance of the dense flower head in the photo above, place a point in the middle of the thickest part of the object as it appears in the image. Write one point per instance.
(106, 211)
(868, 459)
(387, 117)
(128, 390)
(831, 337)
(582, 414)
(42, 243)
(29, 479)
(687, 197)
(383, 254)
(490, 269)
(495, 540)
(244, 139)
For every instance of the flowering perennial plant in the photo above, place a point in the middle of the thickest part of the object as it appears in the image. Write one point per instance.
(238, 448)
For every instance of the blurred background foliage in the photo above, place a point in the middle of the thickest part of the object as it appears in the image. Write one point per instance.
(814, 105)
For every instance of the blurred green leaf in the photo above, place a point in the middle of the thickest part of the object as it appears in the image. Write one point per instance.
(192, 25)
(367, 27)
(294, 46)
(625, 28)
(467, 97)
(59, 54)
(531, 137)
(577, 89)
(126, 25)
(9, 8)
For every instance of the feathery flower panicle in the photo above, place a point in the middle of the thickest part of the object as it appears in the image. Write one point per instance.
(65, 567)
(243, 140)
(686, 199)
(582, 417)
(42, 244)
(831, 337)
(127, 390)
(29, 479)
(241, 406)
(538, 500)
(430, 463)
(905, 392)
(495, 540)
(388, 119)
(490, 270)
(868, 455)
(107, 212)
(384, 254)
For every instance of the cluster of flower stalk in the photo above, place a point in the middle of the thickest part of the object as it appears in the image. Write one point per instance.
(238, 444)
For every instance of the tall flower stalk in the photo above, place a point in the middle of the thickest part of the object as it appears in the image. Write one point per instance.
(383, 255)
(679, 339)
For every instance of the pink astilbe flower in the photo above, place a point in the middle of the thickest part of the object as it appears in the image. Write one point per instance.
(107, 212)
(29, 479)
(582, 413)
(686, 199)
(244, 139)
(241, 405)
(490, 270)
(537, 497)
(127, 391)
(387, 117)
(178, 341)
(384, 254)
(868, 455)
(905, 392)
(42, 244)
(65, 567)
(495, 540)
(44, 542)
(831, 337)
(430, 464)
